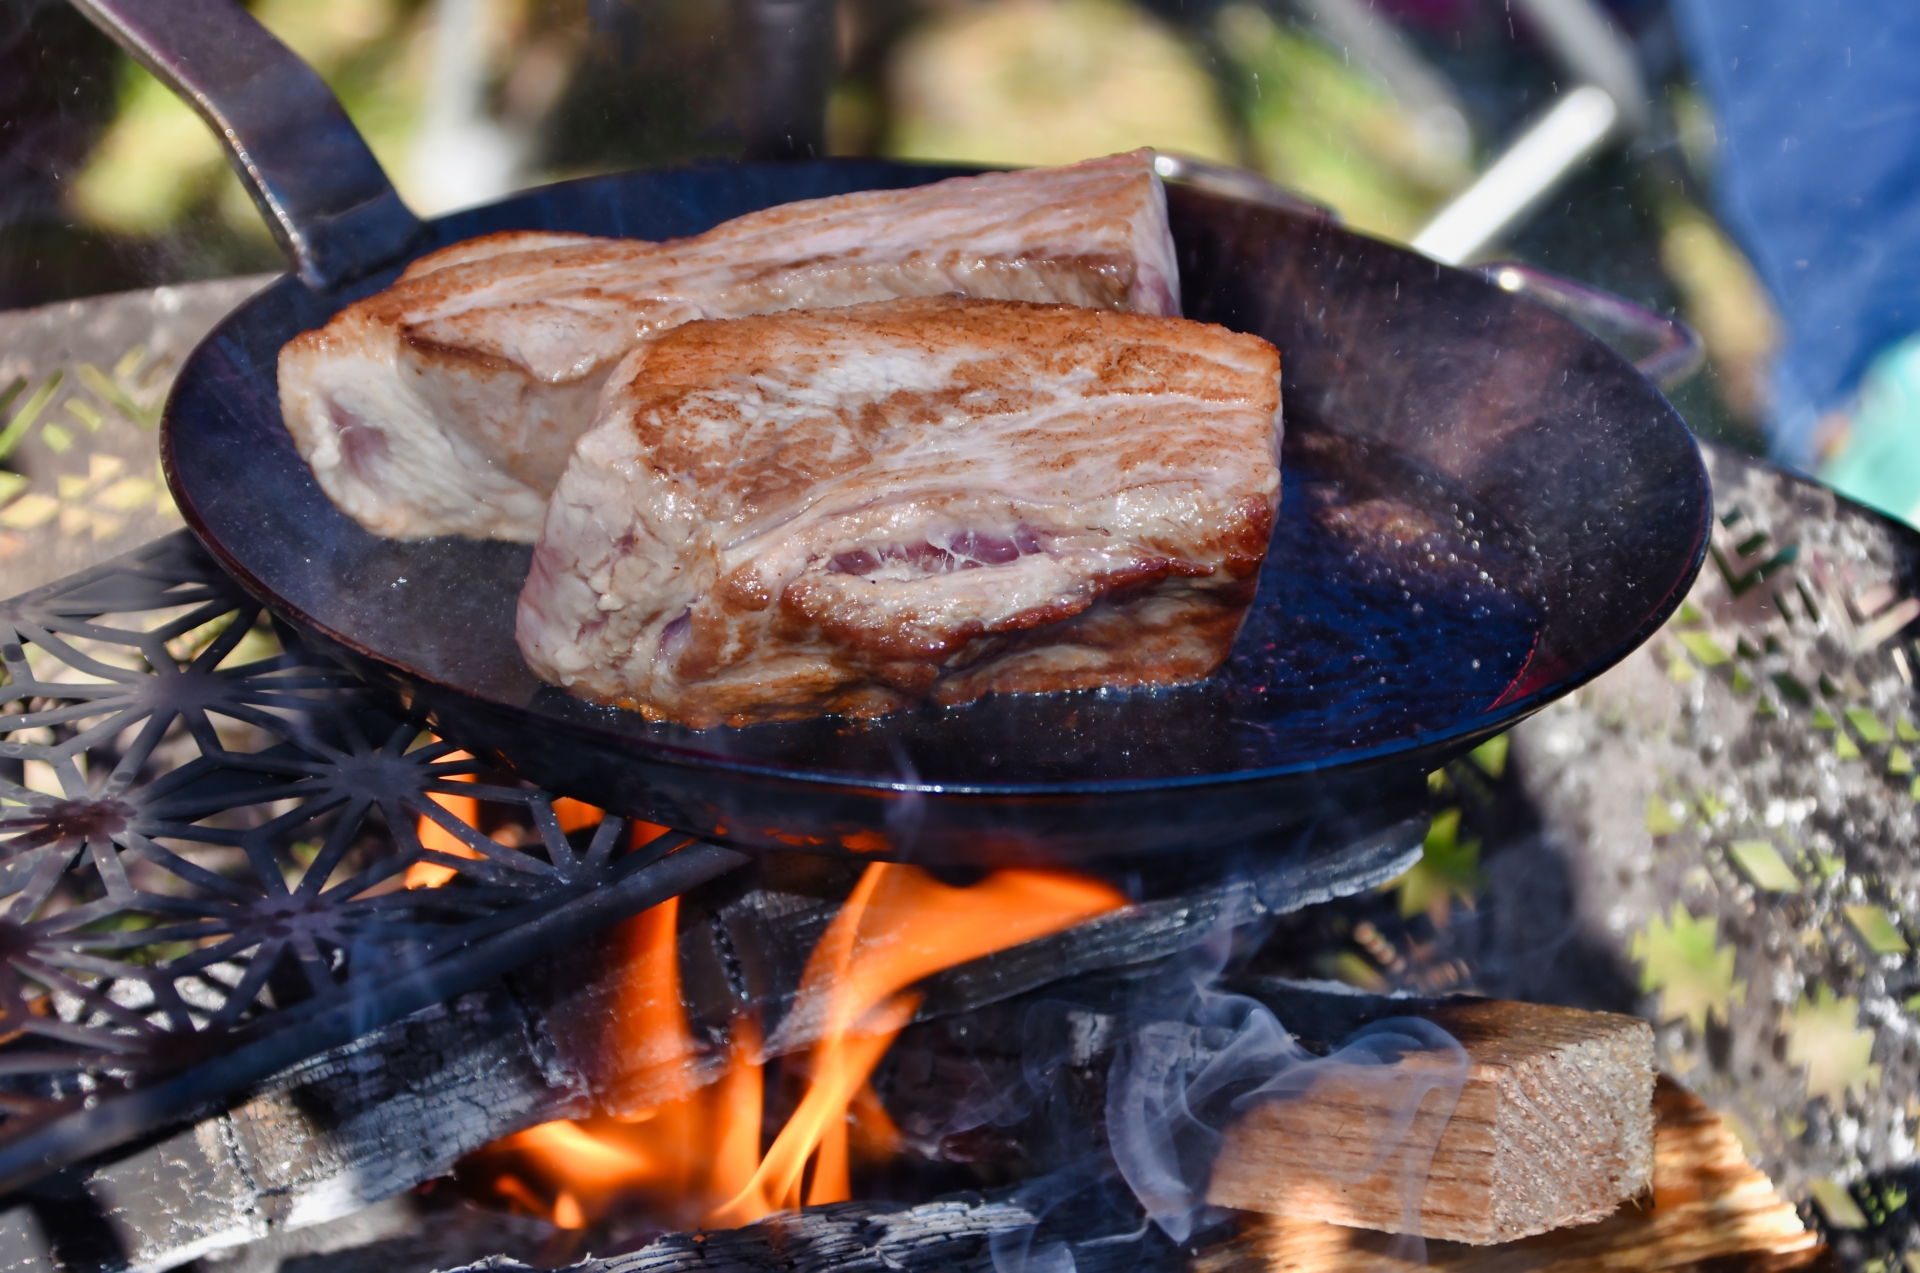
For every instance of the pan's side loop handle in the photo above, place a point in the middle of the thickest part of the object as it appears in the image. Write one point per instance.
(321, 190)
(1666, 350)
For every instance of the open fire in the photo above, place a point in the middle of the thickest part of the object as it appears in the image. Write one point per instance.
(697, 1157)
(1098, 1094)
(1065, 1073)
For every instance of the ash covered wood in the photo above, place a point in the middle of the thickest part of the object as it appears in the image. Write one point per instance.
(854, 1237)
(744, 944)
(321, 1141)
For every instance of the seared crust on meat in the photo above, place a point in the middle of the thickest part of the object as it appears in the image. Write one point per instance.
(449, 403)
(849, 510)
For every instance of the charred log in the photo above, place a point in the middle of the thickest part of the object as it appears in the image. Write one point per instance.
(322, 1140)
(852, 1237)
(744, 943)
(351, 1128)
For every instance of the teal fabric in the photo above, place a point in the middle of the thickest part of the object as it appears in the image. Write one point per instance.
(1880, 462)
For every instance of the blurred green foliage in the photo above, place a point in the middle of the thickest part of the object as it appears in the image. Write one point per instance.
(1824, 1035)
(560, 88)
(1448, 871)
(1322, 127)
(1050, 82)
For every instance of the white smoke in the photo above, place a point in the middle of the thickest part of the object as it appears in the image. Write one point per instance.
(1188, 1060)
(1165, 1118)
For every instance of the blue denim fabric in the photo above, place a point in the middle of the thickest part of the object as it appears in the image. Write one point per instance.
(1818, 108)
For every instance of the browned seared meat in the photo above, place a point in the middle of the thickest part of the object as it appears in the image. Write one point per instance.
(449, 403)
(848, 510)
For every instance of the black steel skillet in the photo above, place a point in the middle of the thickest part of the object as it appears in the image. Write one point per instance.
(1485, 507)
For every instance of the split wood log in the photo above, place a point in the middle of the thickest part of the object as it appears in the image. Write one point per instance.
(1553, 1127)
(1709, 1208)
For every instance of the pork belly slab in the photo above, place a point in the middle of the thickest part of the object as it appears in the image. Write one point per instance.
(449, 403)
(849, 510)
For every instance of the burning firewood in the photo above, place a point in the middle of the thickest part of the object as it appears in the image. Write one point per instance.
(587, 1037)
(405, 1103)
(1709, 1207)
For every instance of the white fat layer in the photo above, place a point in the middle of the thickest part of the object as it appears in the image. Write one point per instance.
(449, 486)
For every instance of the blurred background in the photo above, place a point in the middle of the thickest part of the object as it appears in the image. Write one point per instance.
(1380, 109)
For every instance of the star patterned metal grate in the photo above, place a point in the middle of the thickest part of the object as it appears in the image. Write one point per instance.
(220, 853)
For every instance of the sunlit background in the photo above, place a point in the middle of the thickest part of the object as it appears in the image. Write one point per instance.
(1379, 110)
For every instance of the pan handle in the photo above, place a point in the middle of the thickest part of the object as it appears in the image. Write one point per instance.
(1673, 349)
(322, 192)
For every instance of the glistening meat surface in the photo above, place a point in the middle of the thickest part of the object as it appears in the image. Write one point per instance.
(449, 403)
(850, 510)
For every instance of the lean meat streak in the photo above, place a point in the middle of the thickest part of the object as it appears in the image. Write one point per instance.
(449, 403)
(849, 510)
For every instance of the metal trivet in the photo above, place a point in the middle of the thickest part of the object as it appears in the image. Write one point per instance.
(209, 863)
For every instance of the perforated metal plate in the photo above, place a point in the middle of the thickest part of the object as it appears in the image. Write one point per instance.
(211, 857)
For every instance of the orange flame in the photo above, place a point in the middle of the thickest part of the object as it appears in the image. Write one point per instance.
(697, 1154)
(435, 838)
(655, 1029)
(573, 815)
(685, 1156)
